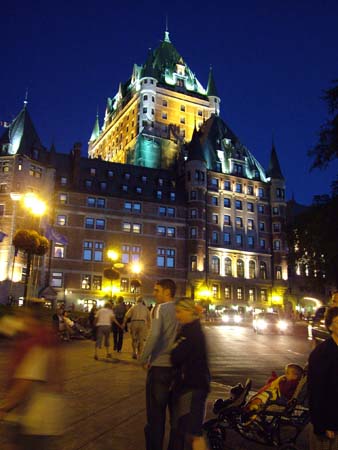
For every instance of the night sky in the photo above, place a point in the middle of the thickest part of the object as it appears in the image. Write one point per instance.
(271, 61)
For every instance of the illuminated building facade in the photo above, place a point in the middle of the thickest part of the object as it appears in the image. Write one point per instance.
(167, 183)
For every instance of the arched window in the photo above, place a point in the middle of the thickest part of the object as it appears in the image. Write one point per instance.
(240, 268)
(262, 270)
(228, 267)
(252, 269)
(215, 264)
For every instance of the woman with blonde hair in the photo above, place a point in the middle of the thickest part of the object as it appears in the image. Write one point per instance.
(192, 382)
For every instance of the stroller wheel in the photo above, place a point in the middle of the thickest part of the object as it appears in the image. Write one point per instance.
(215, 437)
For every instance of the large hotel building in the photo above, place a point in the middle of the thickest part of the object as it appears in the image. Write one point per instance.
(166, 184)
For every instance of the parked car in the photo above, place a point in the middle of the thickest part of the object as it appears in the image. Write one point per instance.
(317, 330)
(271, 323)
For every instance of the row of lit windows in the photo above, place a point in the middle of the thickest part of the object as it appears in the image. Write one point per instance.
(93, 202)
(238, 293)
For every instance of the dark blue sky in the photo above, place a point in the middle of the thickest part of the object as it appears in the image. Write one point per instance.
(271, 60)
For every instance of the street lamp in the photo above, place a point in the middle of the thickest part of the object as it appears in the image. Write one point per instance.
(36, 207)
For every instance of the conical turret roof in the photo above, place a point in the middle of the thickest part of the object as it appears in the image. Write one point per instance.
(20, 137)
(274, 170)
(211, 89)
(96, 130)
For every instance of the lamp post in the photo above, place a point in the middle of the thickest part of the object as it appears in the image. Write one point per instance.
(113, 273)
(26, 241)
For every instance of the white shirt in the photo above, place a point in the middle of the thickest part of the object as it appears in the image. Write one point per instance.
(104, 317)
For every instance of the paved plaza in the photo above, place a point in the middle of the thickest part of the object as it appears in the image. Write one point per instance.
(106, 400)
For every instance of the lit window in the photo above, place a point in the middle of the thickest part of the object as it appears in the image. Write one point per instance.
(278, 272)
(262, 270)
(227, 220)
(63, 198)
(250, 206)
(193, 263)
(240, 268)
(162, 211)
(85, 283)
(98, 251)
(250, 190)
(92, 171)
(193, 213)
(227, 292)
(87, 250)
(214, 264)
(63, 181)
(227, 267)
(57, 279)
(166, 257)
(137, 228)
(275, 210)
(161, 230)
(137, 207)
(261, 209)
(239, 222)
(61, 220)
(215, 290)
(239, 294)
(127, 206)
(214, 218)
(171, 232)
(97, 282)
(126, 226)
(239, 240)
(59, 251)
(252, 269)
(91, 202)
(227, 185)
(172, 196)
(170, 212)
(264, 297)
(251, 224)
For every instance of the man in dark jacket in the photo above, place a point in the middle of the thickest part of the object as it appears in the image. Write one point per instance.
(323, 387)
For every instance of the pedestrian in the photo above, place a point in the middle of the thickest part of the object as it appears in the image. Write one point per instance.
(139, 320)
(103, 320)
(323, 388)
(33, 408)
(91, 321)
(192, 379)
(156, 359)
(119, 311)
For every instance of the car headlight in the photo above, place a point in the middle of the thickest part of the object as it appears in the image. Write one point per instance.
(261, 324)
(282, 325)
(225, 318)
(237, 319)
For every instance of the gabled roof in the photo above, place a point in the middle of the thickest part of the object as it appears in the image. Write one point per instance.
(274, 170)
(21, 136)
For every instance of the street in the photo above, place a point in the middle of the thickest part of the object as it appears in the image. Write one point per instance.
(106, 407)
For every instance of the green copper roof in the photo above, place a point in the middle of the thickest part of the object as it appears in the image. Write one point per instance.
(96, 130)
(219, 147)
(21, 136)
(211, 89)
(274, 170)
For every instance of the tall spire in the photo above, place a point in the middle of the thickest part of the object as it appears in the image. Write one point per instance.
(25, 102)
(96, 129)
(166, 33)
(211, 89)
(274, 170)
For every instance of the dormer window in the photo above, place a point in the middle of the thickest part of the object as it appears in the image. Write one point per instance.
(180, 69)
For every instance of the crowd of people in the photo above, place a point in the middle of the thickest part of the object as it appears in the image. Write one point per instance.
(169, 343)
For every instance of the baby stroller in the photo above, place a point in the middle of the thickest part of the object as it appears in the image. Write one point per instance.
(274, 425)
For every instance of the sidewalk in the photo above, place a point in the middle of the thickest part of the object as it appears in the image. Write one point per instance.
(106, 401)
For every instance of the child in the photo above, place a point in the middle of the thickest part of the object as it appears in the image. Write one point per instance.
(279, 391)
(192, 382)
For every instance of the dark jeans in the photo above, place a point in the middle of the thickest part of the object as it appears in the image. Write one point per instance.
(159, 381)
(118, 335)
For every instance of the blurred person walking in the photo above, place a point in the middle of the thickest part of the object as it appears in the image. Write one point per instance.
(120, 311)
(139, 316)
(103, 321)
(156, 359)
(323, 388)
(33, 406)
(192, 380)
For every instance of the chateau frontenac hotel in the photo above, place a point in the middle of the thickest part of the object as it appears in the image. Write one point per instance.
(166, 184)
